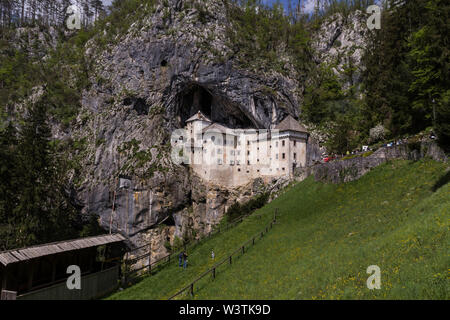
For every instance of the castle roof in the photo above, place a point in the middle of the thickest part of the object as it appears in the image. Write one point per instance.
(198, 116)
(290, 124)
(216, 127)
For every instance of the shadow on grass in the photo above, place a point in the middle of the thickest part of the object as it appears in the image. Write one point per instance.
(443, 180)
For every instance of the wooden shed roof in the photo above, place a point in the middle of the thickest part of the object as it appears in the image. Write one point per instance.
(17, 255)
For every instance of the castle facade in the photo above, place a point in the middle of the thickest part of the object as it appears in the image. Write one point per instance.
(234, 157)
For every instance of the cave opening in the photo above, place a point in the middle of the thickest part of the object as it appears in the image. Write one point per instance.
(169, 221)
(216, 107)
(138, 104)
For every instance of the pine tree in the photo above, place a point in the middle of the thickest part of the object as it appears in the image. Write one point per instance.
(429, 50)
(8, 185)
(43, 213)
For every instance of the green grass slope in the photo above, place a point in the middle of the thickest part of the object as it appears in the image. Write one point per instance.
(396, 217)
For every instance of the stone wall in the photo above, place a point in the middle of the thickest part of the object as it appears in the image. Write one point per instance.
(339, 171)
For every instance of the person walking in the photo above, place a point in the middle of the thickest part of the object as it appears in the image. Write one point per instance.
(185, 260)
(180, 258)
(212, 254)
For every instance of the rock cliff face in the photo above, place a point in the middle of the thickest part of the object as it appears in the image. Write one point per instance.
(159, 73)
(340, 42)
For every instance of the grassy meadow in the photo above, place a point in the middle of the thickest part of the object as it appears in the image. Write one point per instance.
(396, 217)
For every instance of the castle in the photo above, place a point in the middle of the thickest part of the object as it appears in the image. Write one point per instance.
(234, 157)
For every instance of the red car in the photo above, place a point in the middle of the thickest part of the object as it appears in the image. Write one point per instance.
(328, 159)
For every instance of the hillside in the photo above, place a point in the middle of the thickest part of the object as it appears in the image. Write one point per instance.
(396, 217)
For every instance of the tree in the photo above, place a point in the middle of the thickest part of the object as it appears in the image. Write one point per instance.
(389, 71)
(44, 212)
(429, 50)
(9, 188)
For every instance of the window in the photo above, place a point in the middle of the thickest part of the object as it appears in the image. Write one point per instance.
(232, 162)
(283, 169)
(295, 143)
(248, 162)
(248, 153)
(282, 143)
(239, 169)
(248, 143)
(276, 156)
(219, 151)
(219, 161)
(295, 155)
(276, 144)
(238, 163)
(284, 155)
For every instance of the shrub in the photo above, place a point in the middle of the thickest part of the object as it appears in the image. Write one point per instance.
(377, 133)
(237, 210)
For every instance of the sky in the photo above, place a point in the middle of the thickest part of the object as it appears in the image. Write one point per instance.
(309, 4)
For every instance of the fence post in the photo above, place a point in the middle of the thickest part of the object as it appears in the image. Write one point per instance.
(230, 259)
(253, 241)
(192, 289)
(243, 249)
(214, 273)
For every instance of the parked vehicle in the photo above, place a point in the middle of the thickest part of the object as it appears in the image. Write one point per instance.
(328, 158)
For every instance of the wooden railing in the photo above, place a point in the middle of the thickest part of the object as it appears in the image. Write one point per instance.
(130, 275)
(228, 259)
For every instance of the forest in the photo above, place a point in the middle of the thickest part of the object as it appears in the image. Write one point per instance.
(22, 13)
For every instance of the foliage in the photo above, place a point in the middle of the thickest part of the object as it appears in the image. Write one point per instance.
(377, 133)
(40, 210)
(407, 66)
(258, 34)
(237, 210)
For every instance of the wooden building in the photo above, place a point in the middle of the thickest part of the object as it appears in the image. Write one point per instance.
(40, 272)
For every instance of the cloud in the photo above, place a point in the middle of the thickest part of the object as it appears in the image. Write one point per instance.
(309, 6)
